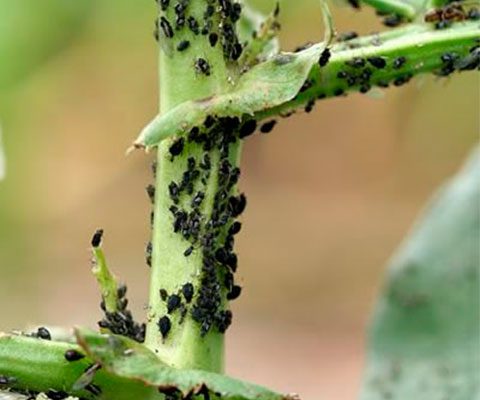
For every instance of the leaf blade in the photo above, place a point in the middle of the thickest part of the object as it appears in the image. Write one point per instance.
(424, 338)
(129, 360)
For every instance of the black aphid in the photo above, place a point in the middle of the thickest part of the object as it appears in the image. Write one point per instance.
(121, 291)
(209, 11)
(173, 303)
(365, 88)
(188, 252)
(401, 80)
(73, 355)
(180, 8)
(151, 193)
(398, 62)
(202, 66)
(383, 84)
(43, 333)
(193, 25)
(166, 27)
(247, 128)
(164, 4)
(7, 380)
(268, 126)
(234, 292)
(377, 62)
(392, 20)
(197, 200)
(177, 147)
(345, 36)
(237, 205)
(187, 291)
(223, 320)
(235, 228)
(183, 45)
(97, 238)
(324, 57)
(164, 325)
(56, 394)
(473, 14)
(309, 106)
(449, 57)
(148, 254)
(209, 122)
(163, 294)
(306, 85)
(356, 62)
(213, 39)
(354, 3)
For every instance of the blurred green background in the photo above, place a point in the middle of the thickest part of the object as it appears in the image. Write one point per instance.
(331, 194)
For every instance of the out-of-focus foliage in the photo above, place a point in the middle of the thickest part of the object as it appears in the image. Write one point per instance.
(425, 336)
(32, 31)
(2, 157)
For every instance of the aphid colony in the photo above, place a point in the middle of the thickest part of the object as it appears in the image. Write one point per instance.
(120, 321)
(216, 27)
(452, 61)
(360, 72)
(454, 11)
(357, 72)
(8, 381)
(173, 393)
(210, 234)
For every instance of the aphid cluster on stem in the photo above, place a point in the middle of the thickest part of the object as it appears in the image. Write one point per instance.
(452, 61)
(121, 321)
(218, 25)
(206, 220)
(453, 11)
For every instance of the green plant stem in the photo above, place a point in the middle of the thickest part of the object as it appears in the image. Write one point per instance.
(40, 365)
(184, 347)
(421, 45)
(106, 280)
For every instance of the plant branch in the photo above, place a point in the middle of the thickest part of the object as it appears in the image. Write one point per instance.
(105, 278)
(291, 80)
(40, 365)
(407, 52)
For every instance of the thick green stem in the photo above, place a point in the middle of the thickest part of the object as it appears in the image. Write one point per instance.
(184, 345)
(40, 365)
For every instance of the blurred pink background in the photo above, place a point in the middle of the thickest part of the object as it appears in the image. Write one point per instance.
(330, 196)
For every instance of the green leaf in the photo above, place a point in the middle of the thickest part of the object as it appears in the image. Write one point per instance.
(424, 340)
(127, 359)
(266, 85)
(260, 34)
